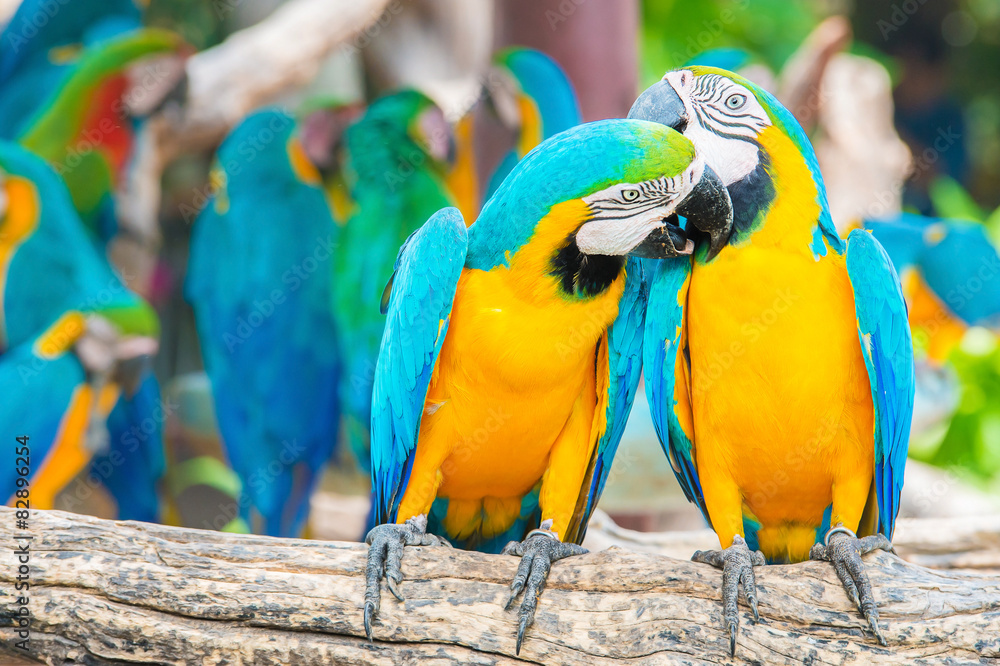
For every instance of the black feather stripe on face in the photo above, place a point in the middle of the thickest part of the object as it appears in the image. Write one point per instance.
(581, 275)
(752, 197)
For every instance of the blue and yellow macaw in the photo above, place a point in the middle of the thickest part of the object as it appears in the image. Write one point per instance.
(512, 350)
(260, 283)
(779, 366)
(545, 100)
(947, 269)
(396, 155)
(70, 329)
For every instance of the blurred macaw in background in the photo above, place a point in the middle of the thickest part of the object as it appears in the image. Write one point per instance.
(74, 331)
(779, 364)
(946, 268)
(395, 158)
(511, 352)
(322, 133)
(259, 280)
(84, 129)
(41, 43)
(543, 98)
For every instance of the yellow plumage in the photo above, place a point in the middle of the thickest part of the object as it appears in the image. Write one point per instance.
(515, 340)
(779, 391)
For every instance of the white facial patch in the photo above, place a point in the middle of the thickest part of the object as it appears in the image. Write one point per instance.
(624, 214)
(724, 119)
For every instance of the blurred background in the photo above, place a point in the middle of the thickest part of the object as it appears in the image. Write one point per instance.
(201, 234)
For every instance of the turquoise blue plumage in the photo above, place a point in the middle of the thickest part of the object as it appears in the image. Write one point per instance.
(424, 281)
(38, 389)
(259, 279)
(951, 256)
(53, 285)
(135, 460)
(545, 99)
(396, 156)
(888, 352)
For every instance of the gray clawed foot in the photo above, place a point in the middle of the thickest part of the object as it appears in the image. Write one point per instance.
(537, 554)
(385, 554)
(845, 551)
(737, 563)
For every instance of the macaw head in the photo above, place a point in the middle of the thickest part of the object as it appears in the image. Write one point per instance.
(407, 129)
(530, 91)
(744, 135)
(587, 198)
(324, 122)
(264, 149)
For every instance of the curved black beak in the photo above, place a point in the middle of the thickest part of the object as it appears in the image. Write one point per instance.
(708, 208)
(660, 103)
(663, 242)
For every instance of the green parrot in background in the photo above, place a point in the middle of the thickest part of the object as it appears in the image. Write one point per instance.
(394, 160)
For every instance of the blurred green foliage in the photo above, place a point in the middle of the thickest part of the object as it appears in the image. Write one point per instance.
(673, 31)
(971, 441)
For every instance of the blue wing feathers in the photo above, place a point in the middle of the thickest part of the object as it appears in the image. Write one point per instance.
(427, 272)
(888, 352)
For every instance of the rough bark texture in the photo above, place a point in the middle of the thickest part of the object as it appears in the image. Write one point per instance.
(116, 592)
(969, 544)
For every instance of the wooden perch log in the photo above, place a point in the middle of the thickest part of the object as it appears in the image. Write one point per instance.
(120, 592)
(970, 544)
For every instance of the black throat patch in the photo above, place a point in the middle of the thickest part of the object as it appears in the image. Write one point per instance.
(584, 275)
(752, 197)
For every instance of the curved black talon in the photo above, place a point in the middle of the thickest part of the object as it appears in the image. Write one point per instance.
(385, 555)
(737, 563)
(844, 550)
(537, 552)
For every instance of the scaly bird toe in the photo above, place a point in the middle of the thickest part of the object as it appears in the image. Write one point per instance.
(737, 563)
(844, 550)
(537, 552)
(385, 557)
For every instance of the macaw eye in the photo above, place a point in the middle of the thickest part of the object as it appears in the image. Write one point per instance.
(736, 101)
(630, 195)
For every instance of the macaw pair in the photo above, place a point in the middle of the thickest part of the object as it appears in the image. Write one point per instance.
(791, 451)
(259, 279)
(74, 341)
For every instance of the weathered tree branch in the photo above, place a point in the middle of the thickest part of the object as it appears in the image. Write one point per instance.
(116, 592)
(970, 544)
